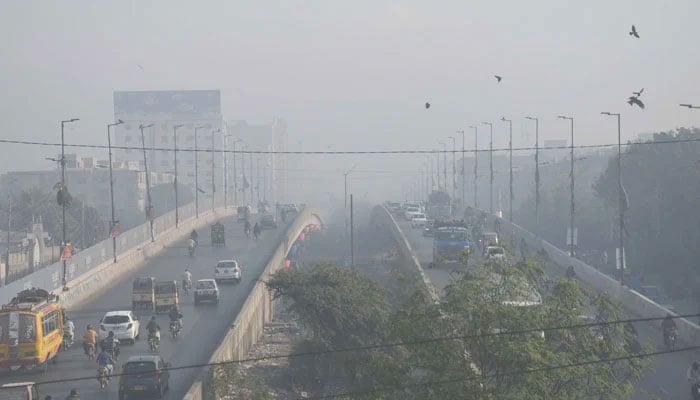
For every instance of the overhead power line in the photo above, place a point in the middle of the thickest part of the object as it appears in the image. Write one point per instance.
(404, 343)
(349, 152)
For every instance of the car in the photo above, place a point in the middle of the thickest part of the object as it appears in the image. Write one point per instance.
(419, 221)
(144, 374)
(268, 221)
(495, 253)
(428, 229)
(489, 239)
(227, 270)
(206, 290)
(289, 208)
(124, 324)
(411, 212)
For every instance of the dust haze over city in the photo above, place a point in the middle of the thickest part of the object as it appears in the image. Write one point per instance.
(293, 107)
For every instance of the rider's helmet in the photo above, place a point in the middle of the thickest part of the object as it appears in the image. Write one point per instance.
(110, 334)
(153, 318)
(74, 392)
(174, 308)
(89, 327)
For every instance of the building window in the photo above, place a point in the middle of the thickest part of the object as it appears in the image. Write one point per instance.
(127, 127)
(190, 138)
(164, 139)
(164, 163)
(190, 162)
(164, 152)
(127, 139)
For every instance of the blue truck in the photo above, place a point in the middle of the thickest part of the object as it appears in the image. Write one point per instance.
(452, 239)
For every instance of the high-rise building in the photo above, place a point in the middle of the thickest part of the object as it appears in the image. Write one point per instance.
(165, 110)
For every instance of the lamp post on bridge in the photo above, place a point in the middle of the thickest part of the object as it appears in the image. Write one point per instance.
(111, 190)
(572, 211)
(490, 124)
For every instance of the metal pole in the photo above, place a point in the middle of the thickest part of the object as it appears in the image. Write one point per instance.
(223, 155)
(9, 229)
(64, 192)
(235, 175)
(510, 157)
(454, 173)
(252, 186)
(148, 182)
(177, 204)
(196, 172)
(111, 188)
(345, 197)
(476, 165)
(257, 178)
(352, 233)
(213, 180)
(537, 167)
(464, 200)
(621, 199)
(571, 245)
(490, 165)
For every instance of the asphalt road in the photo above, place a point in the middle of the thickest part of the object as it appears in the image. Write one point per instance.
(666, 377)
(204, 326)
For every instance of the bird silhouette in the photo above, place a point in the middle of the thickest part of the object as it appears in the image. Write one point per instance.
(634, 32)
(140, 66)
(639, 93)
(427, 105)
(498, 78)
(633, 100)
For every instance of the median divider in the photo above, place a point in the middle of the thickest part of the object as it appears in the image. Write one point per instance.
(257, 310)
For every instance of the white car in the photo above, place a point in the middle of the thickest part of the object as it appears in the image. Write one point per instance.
(206, 290)
(227, 270)
(495, 253)
(411, 212)
(124, 324)
(419, 221)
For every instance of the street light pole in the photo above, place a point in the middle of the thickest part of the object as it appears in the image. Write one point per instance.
(621, 197)
(64, 192)
(454, 168)
(537, 166)
(464, 201)
(177, 212)
(149, 209)
(235, 174)
(490, 165)
(213, 180)
(690, 106)
(571, 249)
(476, 165)
(196, 172)
(111, 188)
(510, 157)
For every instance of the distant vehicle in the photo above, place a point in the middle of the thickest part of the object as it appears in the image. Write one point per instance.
(393, 206)
(439, 205)
(243, 212)
(268, 221)
(495, 253)
(19, 391)
(124, 324)
(227, 270)
(418, 221)
(428, 229)
(22, 345)
(206, 290)
(167, 295)
(218, 235)
(143, 297)
(411, 212)
(289, 208)
(146, 374)
(452, 239)
(489, 239)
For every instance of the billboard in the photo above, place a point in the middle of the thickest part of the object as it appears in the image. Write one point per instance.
(181, 102)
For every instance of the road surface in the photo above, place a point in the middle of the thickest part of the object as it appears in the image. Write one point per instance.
(204, 326)
(666, 378)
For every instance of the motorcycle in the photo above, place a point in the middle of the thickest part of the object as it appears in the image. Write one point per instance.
(186, 286)
(670, 336)
(695, 390)
(175, 328)
(103, 377)
(67, 341)
(90, 351)
(190, 248)
(154, 343)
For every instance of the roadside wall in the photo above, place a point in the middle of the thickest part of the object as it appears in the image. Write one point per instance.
(632, 301)
(257, 310)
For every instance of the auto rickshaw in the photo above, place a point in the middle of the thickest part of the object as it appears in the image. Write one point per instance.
(218, 237)
(143, 296)
(167, 295)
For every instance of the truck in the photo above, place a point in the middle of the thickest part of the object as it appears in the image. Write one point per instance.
(451, 240)
(439, 205)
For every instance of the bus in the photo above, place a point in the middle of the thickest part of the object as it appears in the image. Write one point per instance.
(31, 330)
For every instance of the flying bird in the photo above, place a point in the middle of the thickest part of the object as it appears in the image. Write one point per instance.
(498, 78)
(634, 32)
(139, 65)
(639, 93)
(635, 100)
(427, 105)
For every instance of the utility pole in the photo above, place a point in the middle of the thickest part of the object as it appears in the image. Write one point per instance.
(352, 233)
(464, 200)
(454, 172)
(444, 169)
(252, 183)
(235, 175)
(571, 250)
(63, 196)
(476, 165)
(257, 178)
(111, 188)
(537, 167)
(9, 229)
(490, 165)
(510, 156)
(196, 172)
(177, 212)
(621, 204)
(149, 210)
(213, 180)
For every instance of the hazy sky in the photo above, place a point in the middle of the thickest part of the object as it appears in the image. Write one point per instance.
(352, 75)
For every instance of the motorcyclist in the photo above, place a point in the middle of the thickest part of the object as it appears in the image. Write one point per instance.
(187, 279)
(110, 344)
(667, 325)
(104, 359)
(69, 330)
(247, 228)
(256, 231)
(153, 328)
(175, 315)
(694, 372)
(570, 272)
(194, 236)
(89, 338)
(74, 395)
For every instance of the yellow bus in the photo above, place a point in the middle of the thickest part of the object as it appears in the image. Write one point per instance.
(31, 330)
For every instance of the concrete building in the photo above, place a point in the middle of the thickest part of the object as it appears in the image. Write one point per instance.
(88, 179)
(269, 182)
(165, 110)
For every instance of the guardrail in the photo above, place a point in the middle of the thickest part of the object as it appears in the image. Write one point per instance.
(632, 301)
(49, 278)
(257, 310)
